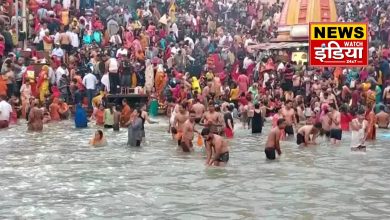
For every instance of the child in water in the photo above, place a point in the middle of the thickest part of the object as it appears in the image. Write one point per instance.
(98, 140)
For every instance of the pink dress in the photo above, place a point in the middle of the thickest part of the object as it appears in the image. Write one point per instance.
(243, 82)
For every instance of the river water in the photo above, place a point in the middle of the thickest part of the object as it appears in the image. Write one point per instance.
(56, 175)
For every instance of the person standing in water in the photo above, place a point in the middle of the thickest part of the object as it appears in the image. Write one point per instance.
(383, 118)
(108, 116)
(180, 118)
(5, 112)
(217, 150)
(188, 133)
(273, 140)
(35, 117)
(257, 120)
(117, 118)
(335, 127)
(199, 110)
(80, 118)
(289, 115)
(304, 133)
(135, 129)
(359, 132)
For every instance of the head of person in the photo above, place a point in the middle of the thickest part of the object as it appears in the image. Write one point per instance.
(332, 107)
(99, 135)
(124, 102)
(206, 134)
(257, 106)
(289, 104)
(211, 108)
(317, 128)
(138, 112)
(192, 116)
(360, 115)
(382, 108)
(182, 108)
(281, 123)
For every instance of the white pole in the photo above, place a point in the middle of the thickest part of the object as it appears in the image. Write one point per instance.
(24, 17)
(17, 16)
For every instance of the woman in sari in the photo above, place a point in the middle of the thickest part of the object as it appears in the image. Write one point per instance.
(43, 83)
(35, 118)
(80, 117)
(135, 129)
(159, 80)
(371, 118)
(125, 113)
(25, 95)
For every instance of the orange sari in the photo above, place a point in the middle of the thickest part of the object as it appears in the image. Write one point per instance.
(371, 118)
(54, 109)
(125, 116)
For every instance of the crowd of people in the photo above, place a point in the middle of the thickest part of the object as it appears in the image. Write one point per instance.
(190, 57)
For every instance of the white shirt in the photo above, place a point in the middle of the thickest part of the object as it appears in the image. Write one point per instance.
(59, 72)
(58, 52)
(74, 39)
(90, 81)
(42, 33)
(5, 111)
(113, 65)
(121, 51)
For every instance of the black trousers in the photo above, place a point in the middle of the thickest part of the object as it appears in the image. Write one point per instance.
(114, 82)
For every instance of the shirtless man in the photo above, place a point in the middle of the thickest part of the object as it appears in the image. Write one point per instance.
(65, 41)
(289, 115)
(211, 119)
(316, 87)
(217, 150)
(382, 118)
(335, 127)
(180, 117)
(188, 133)
(386, 94)
(303, 134)
(273, 144)
(199, 110)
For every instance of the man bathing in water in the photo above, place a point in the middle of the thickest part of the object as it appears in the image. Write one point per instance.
(273, 140)
(289, 115)
(188, 133)
(217, 150)
(179, 120)
(212, 120)
(303, 134)
(335, 126)
(199, 110)
(383, 118)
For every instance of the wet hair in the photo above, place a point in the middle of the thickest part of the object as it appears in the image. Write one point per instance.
(280, 121)
(100, 132)
(257, 106)
(361, 111)
(139, 111)
(205, 131)
(318, 125)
